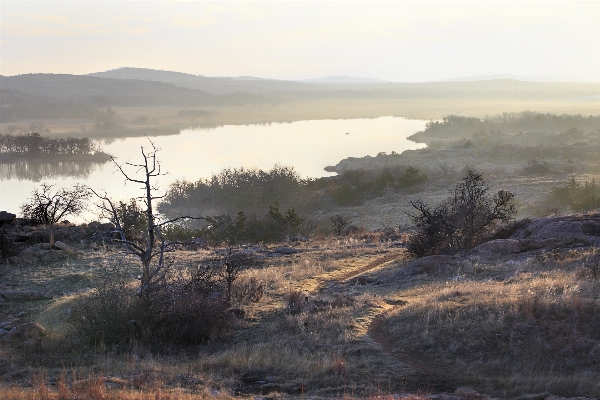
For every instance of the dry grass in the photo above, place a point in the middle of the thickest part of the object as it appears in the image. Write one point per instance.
(505, 327)
(534, 330)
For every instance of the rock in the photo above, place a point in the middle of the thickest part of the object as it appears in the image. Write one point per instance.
(564, 231)
(469, 393)
(31, 249)
(286, 250)
(7, 218)
(46, 246)
(25, 335)
(533, 244)
(23, 295)
(499, 246)
(15, 260)
(29, 258)
(591, 228)
(570, 398)
(41, 253)
(426, 265)
(62, 246)
(53, 255)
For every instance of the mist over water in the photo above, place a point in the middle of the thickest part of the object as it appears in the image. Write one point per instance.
(308, 146)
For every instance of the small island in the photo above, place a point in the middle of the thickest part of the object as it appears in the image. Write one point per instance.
(33, 146)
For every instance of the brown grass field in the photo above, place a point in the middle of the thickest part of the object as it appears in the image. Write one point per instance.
(507, 327)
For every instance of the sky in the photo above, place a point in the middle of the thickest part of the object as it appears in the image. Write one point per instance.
(400, 41)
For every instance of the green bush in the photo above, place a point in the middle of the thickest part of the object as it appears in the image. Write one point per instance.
(580, 197)
(271, 228)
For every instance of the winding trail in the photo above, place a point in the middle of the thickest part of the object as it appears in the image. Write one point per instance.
(426, 376)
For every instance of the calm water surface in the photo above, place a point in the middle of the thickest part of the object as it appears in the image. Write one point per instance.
(308, 146)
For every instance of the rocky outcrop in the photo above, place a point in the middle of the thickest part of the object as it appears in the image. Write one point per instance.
(7, 218)
(25, 335)
(426, 265)
(499, 246)
(23, 295)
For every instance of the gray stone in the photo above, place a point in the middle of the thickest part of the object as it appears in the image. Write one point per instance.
(15, 260)
(46, 246)
(29, 258)
(31, 249)
(23, 295)
(54, 255)
(426, 265)
(533, 244)
(7, 218)
(25, 335)
(560, 230)
(41, 253)
(499, 246)
(286, 250)
(63, 246)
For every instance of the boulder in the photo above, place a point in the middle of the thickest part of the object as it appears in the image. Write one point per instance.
(53, 255)
(565, 231)
(533, 244)
(41, 253)
(426, 265)
(15, 260)
(31, 249)
(62, 246)
(46, 246)
(23, 295)
(7, 218)
(499, 246)
(25, 335)
(29, 258)
(286, 250)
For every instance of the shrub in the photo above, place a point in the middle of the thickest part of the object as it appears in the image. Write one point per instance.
(340, 224)
(536, 167)
(410, 177)
(187, 308)
(460, 221)
(580, 197)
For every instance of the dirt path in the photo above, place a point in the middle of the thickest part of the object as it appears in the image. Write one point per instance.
(426, 377)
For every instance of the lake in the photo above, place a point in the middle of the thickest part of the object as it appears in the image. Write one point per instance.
(308, 146)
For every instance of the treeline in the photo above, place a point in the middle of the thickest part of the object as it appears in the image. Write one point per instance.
(354, 187)
(454, 126)
(250, 190)
(253, 190)
(32, 144)
(18, 106)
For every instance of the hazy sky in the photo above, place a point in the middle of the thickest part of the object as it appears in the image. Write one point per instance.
(393, 40)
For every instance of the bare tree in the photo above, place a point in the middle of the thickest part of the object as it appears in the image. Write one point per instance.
(153, 243)
(48, 207)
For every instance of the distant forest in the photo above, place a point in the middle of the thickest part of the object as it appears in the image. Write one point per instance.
(34, 145)
(456, 127)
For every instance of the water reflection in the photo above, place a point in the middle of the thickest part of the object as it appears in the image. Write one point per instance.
(37, 171)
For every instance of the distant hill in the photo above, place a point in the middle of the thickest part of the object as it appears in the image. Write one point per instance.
(503, 76)
(63, 96)
(213, 85)
(343, 79)
(66, 96)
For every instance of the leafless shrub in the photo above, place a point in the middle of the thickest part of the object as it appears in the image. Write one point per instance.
(296, 300)
(250, 290)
